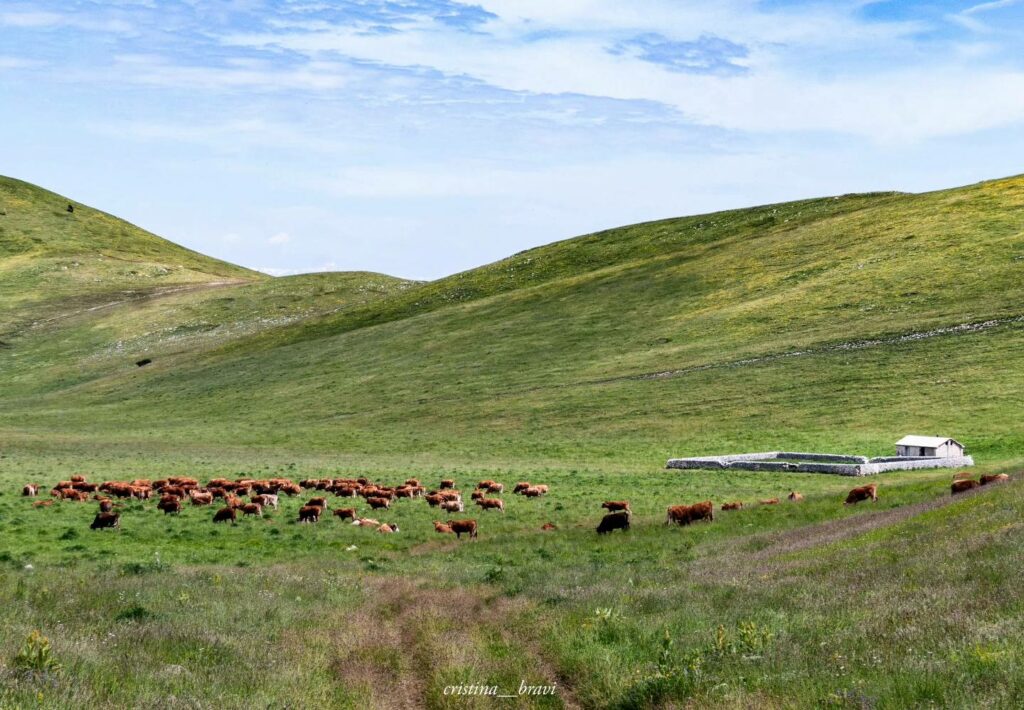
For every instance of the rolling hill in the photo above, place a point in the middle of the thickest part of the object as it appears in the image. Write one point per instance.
(814, 324)
(834, 324)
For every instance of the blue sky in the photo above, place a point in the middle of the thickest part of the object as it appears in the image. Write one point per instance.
(423, 137)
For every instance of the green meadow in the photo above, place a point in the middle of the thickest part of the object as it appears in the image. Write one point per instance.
(835, 325)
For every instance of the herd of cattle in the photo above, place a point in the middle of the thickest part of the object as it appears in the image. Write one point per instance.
(252, 497)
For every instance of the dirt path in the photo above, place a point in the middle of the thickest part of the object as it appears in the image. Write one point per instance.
(411, 633)
(730, 560)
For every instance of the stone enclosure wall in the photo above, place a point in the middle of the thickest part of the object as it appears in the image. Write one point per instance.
(836, 464)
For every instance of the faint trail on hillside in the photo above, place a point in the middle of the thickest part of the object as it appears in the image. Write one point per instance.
(913, 336)
(139, 297)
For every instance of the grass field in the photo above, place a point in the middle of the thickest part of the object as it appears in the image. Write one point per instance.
(835, 325)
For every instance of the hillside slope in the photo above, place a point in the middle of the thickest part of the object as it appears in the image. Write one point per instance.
(54, 261)
(830, 323)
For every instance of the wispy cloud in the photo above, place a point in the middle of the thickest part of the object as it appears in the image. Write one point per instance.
(704, 55)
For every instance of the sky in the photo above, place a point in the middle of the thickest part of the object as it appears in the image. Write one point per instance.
(421, 138)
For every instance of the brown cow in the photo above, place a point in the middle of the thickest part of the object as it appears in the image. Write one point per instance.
(543, 488)
(434, 500)
(734, 505)
(961, 475)
(463, 526)
(78, 479)
(487, 483)
(201, 497)
(106, 505)
(443, 528)
(223, 514)
(318, 502)
(795, 497)
(686, 514)
(447, 483)
(252, 509)
(377, 503)
(42, 504)
(477, 495)
(413, 482)
(548, 526)
(533, 492)
(521, 486)
(366, 522)
(345, 513)
(169, 505)
(770, 501)
(30, 490)
(453, 506)
(613, 505)
(994, 478)
(618, 520)
(388, 528)
(310, 513)
(856, 495)
(105, 520)
(488, 503)
(963, 486)
(496, 488)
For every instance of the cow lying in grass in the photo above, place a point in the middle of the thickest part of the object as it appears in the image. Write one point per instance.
(795, 497)
(442, 528)
(686, 514)
(734, 505)
(994, 478)
(963, 486)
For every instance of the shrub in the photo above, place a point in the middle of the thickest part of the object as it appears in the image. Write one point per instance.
(35, 655)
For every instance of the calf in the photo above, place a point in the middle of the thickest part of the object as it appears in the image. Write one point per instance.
(795, 497)
(366, 522)
(30, 490)
(963, 486)
(521, 486)
(618, 520)
(442, 528)
(105, 520)
(345, 513)
(252, 509)
(378, 502)
(225, 514)
(994, 478)
(856, 495)
(447, 484)
(614, 505)
(387, 528)
(734, 505)
(463, 526)
(310, 513)
(686, 514)
(488, 503)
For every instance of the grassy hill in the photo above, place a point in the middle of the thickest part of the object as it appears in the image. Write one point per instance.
(59, 256)
(835, 324)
